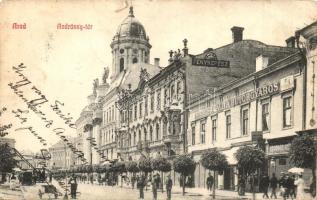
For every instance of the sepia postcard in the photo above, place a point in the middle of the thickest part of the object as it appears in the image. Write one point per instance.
(158, 99)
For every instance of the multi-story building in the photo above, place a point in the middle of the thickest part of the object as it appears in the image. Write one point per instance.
(62, 156)
(265, 108)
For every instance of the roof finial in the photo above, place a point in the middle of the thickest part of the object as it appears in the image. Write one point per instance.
(131, 12)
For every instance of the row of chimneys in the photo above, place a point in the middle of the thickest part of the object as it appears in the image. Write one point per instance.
(237, 36)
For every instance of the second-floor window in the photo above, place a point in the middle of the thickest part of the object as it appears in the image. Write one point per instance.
(202, 132)
(228, 126)
(146, 106)
(265, 117)
(287, 112)
(245, 121)
(140, 110)
(214, 129)
(135, 111)
(152, 102)
(158, 100)
(193, 134)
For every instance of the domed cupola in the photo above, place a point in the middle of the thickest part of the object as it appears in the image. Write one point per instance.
(130, 45)
(130, 27)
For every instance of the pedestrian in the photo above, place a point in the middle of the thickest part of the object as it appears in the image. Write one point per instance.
(50, 177)
(158, 180)
(287, 186)
(241, 186)
(133, 181)
(273, 184)
(292, 192)
(73, 186)
(154, 186)
(210, 181)
(140, 185)
(169, 185)
(300, 183)
(281, 183)
(264, 183)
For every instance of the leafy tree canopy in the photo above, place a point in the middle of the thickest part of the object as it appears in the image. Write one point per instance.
(132, 166)
(303, 152)
(250, 158)
(145, 164)
(184, 164)
(7, 161)
(214, 160)
(161, 164)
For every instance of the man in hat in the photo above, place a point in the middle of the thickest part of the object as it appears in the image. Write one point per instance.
(169, 184)
(73, 186)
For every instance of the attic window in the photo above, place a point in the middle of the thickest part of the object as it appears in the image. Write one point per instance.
(121, 64)
(135, 60)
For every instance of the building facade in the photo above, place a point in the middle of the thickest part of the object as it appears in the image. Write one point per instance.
(62, 156)
(266, 108)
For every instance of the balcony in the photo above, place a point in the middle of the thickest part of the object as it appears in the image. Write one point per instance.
(171, 138)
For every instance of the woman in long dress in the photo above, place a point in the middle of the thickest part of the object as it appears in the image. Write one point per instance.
(300, 183)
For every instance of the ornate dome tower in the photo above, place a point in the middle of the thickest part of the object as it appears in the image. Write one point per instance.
(130, 45)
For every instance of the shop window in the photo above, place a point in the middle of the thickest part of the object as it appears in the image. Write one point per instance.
(151, 133)
(135, 60)
(265, 117)
(287, 112)
(134, 138)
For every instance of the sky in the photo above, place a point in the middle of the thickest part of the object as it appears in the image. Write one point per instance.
(63, 63)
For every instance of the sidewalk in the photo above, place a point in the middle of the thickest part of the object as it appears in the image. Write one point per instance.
(7, 194)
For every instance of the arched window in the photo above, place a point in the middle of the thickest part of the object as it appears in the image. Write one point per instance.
(121, 64)
(134, 60)
(134, 138)
(140, 136)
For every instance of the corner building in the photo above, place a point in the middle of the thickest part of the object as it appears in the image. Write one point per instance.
(266, 108)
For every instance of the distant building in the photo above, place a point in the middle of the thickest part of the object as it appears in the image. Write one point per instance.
(9, 141)
(62, 156)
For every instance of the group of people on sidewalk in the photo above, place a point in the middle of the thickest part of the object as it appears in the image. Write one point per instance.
(289, 186)
(155, 181)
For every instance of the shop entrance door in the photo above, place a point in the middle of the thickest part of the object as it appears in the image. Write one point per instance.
(228, 179)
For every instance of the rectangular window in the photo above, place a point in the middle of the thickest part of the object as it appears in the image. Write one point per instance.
(158, 100)
(135, 111)
(265, 117)
(146, 106)
(202, 132)
(287, 112)
(165, 96)
(178, 89)
(172, 92)
(193, 135)
(152, 102)
(214, 130)
(245, 121)
(228, 126)
(140, 110)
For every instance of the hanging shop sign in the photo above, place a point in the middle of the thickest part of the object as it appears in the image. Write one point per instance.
(210, 60)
